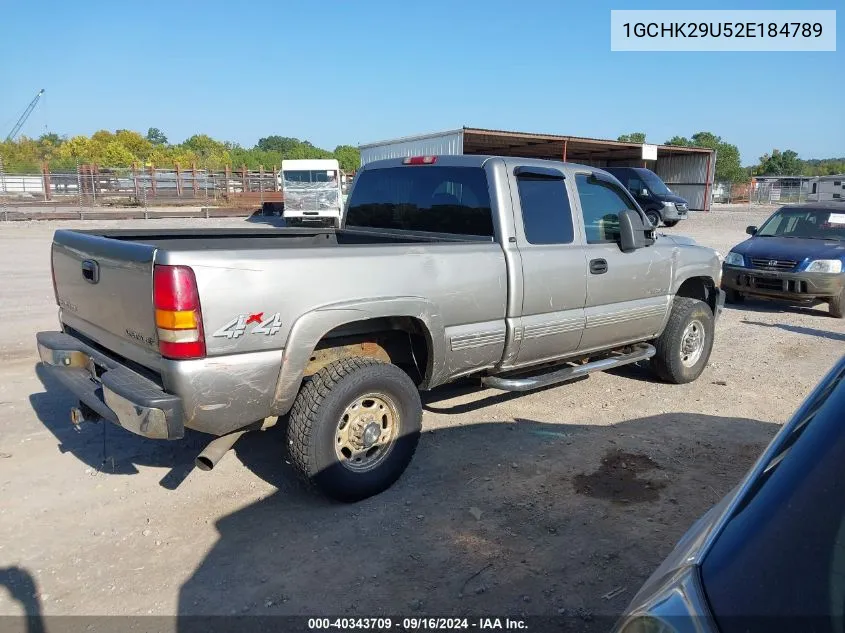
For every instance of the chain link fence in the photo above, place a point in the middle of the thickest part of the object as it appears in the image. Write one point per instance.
(763, 192)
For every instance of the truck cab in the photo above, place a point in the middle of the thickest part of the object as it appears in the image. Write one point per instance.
(313, 192)
(652, 194)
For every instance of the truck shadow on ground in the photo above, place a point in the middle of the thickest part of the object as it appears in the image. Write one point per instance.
(492, 518)
(106, 447)
(271, 220)
(775, 307)
(798, 329)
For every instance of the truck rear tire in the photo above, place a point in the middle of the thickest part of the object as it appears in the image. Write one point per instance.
(684, 347)
(354, 427)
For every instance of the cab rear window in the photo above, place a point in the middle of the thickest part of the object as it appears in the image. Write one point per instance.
(422, 198)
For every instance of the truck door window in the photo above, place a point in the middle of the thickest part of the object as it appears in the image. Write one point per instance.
(601, 203)
(546, 215)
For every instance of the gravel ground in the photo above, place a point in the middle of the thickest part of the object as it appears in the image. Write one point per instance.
(559, 501)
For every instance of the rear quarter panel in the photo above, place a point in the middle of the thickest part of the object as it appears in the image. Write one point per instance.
(460, 290)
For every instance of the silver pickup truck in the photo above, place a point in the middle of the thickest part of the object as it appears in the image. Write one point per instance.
(522, 272)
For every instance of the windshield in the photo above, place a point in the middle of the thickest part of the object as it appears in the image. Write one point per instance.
(809, 224)
(422, 198)
(300, 177)
(654, 183)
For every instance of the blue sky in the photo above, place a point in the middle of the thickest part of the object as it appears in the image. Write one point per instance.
(339, 72)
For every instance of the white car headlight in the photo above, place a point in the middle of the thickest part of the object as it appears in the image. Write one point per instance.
(734, 259)
(824, 266)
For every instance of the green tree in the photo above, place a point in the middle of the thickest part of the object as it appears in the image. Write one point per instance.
(728, 165)
(77, 148)
(114, 154)
(349, 157)
(156, 136)
(136, 144)
(633, 137)
(681, 141)
(281, 144)
(211, 154)
(780, 163)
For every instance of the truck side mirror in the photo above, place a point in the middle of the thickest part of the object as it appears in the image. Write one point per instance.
(751, 230)
(644, 192)
(632, 231)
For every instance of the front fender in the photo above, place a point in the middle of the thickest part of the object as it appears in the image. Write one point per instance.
(312, 326)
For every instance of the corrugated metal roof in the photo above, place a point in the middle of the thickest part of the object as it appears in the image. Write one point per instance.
(408, 139)
(587, 139)
(531, 136)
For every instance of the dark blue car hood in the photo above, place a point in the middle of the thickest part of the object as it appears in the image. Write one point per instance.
(796, 249)
(671, 197)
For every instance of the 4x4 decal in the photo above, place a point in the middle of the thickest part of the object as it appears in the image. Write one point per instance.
(238, 326)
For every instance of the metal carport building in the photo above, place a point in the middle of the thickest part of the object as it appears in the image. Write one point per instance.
(687, 171)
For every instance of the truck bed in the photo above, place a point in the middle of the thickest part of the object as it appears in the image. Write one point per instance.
(176, 240)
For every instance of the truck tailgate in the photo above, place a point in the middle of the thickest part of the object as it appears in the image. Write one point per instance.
(104, 287)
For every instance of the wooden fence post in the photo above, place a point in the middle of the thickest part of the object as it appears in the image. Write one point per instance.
(135, 181)
(45, 177)
(194, 179)
(178, 181)
(153, 179)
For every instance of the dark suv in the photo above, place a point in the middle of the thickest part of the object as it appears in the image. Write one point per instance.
(653, 196)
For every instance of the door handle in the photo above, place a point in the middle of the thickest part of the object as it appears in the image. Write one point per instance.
(598, 266)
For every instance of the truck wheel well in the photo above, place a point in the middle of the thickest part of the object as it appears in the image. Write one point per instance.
(402, 341)
(701, 288)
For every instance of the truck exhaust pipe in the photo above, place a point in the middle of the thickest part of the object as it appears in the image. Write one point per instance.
(216, 449)
(81, 414)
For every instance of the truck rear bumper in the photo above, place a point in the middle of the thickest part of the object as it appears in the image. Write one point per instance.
(115, 392)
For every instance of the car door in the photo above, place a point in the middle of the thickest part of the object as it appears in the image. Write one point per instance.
(553, 264)
(627, 293)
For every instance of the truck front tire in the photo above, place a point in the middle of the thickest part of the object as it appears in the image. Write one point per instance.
(354, 427)
(836, 305)
(684, 347)
(653, 217)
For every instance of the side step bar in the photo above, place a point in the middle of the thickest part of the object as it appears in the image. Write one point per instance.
(639, 352)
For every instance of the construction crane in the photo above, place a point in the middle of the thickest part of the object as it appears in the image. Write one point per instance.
(24, 116)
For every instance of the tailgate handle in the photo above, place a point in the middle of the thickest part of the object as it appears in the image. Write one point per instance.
(91, 271)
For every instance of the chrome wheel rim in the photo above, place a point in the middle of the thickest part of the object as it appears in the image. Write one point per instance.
(366, 432)
(692, 343)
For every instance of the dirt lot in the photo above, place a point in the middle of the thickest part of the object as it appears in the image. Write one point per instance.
(564, 499)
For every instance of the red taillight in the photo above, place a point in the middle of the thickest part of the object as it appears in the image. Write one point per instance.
(177, 312)
(420, 160)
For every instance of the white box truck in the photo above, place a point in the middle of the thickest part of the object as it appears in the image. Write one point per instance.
(313, 191)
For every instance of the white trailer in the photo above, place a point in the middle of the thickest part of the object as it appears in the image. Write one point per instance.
(827, 188)
(313, 191)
